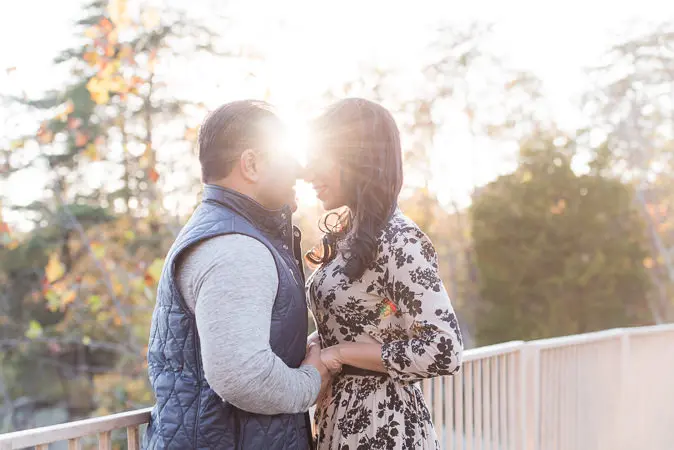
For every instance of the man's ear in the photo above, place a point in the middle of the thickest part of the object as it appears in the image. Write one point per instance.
(249, 166)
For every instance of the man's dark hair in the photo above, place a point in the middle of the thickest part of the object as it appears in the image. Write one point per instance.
(231, 129)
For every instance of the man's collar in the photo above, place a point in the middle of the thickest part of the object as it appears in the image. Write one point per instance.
(277, 222)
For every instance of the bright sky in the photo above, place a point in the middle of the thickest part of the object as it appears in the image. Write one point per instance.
(313, 45)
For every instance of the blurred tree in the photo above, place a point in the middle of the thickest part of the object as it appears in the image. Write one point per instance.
(558, 253)
(78, 290)
(630, 107)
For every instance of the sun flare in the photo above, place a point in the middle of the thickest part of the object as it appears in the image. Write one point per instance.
(295, 145)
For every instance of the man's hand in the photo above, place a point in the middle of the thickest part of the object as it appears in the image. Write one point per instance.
(313, 339)
(332, 359)
(313, 358)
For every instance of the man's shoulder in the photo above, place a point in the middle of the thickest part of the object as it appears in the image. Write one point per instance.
(227, 247)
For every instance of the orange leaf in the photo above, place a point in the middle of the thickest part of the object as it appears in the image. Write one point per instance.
(125, 52)
(105, 24)
(648, 263)
(191, 134)
(91, 58)
(153, 175)
(81, 139)
(44, 134)
(74, 122)
(10, 70)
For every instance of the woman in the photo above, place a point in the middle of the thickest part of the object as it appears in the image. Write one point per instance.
(383, 317)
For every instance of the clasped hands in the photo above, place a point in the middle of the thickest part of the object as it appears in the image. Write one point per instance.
(330, 357)
(327, 361)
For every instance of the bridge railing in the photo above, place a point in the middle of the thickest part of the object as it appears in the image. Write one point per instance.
(611, 389)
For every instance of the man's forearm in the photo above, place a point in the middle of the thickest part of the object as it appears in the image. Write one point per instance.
(265, 385)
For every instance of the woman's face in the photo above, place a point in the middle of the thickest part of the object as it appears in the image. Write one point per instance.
(323, 171)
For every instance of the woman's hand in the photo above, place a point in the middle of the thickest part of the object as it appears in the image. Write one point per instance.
(313, 339)
(332, 359)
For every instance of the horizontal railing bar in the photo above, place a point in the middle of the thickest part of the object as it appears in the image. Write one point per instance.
(492, 350)
(651, 329)
(597, 336)
(71, 430)
(577, 339)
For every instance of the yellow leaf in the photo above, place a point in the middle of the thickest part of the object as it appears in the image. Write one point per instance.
(53, 300)
(98, 249)
(155, 269)
(117, 11)
(68, 298)
(62, 116)
(92, 32)
(34, 330)
(94, 303)
(54, 269)
(117, 287)
(70, 107)
(100, 98)
(86, 340)
(91, 152)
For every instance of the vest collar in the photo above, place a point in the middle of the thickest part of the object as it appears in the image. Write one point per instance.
(276, 222)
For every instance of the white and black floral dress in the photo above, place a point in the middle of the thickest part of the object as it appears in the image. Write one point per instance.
(401, 303)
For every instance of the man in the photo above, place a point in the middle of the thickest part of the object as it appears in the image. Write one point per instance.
(227, 347)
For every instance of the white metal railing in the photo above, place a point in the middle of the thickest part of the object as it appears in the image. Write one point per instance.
(611, 389)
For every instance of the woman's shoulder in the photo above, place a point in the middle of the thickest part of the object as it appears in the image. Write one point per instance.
(401, 231)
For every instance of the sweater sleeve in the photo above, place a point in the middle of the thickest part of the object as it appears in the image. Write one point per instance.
(233, 280)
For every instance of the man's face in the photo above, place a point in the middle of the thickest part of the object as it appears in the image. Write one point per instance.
(278, 173)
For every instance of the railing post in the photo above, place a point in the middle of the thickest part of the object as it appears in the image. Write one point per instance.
(530, 388)
(624, 421)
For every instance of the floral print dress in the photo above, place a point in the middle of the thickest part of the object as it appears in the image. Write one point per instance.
(400, 303)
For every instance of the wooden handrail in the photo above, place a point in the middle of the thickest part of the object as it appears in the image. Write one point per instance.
(74, 430)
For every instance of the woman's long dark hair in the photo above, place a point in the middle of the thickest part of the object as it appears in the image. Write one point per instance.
(363, 138)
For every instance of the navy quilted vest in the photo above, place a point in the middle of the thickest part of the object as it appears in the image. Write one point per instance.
(188, 413)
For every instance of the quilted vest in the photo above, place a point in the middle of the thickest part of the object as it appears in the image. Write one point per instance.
(188, 414)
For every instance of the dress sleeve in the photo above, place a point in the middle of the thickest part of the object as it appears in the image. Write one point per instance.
(430, 344)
